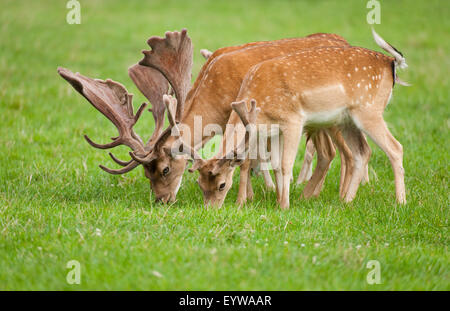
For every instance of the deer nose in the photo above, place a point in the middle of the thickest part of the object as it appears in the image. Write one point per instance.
(210, 203)
(163, 198)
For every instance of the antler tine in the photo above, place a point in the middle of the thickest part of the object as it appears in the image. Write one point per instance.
(115, 103)
(157, 136)
(120, 162)
(123, 170)
(247, 116)
(171, 104)
(254, 111)
(172, 56)
(139, 112)
(158, 116)
(113, 144)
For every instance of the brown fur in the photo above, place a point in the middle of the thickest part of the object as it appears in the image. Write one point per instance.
(219, 82)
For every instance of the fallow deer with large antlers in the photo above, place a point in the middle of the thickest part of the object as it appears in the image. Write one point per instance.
(171, 61)
(348, 87)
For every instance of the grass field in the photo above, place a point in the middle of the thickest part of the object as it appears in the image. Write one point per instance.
(57, 205)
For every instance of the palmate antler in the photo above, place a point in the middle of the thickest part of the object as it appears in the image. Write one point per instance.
(170, 58)
(114, 102)
(153, 85)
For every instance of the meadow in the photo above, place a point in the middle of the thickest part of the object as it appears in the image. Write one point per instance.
(56, 205)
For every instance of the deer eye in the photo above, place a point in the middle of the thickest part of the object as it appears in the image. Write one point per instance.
(165, 171)
(222, 186)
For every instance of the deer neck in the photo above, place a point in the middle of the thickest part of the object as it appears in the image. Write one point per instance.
(205, 116)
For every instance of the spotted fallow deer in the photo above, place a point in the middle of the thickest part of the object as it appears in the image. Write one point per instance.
(217, 85)
(321, 139)
(169, 61)
(348, 87)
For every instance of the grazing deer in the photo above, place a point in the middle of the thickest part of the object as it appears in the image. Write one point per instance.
(170, 61)
(325, 155)
(216, 86)
(348, 87)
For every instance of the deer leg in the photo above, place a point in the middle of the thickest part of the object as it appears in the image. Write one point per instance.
(278, 184)
(377, 130)
(329, 153)
(268, 179)
(263, 164)
(244, 179)
(275, 159)
(291, 139)
(250, 193)
(355, 141)
(306, 171)
(365, 179)
(346, 160)
(325, 154)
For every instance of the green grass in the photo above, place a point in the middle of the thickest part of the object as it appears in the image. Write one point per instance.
(53, 197)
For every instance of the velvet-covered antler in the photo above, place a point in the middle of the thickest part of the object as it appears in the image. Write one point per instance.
(153, 85)
(247, 116)
(114, 102)
(172, 56)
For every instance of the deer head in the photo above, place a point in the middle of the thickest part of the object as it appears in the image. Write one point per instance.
(171, 56)
(215, 175)
(170, 60)
(113, 100)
